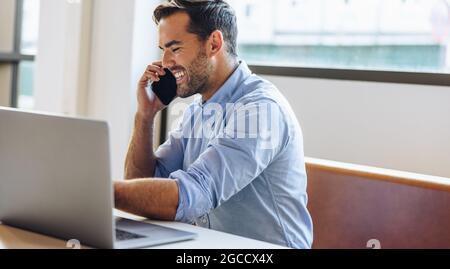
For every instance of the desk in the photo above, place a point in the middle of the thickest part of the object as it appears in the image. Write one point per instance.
(13, 238)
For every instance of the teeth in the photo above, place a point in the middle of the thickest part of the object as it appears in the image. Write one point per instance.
(179, 75)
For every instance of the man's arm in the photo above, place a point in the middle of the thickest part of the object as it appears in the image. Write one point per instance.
(140, 160)
(227, 166)
(150, 198)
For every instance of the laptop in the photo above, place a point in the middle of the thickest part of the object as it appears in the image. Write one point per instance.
(55, 179)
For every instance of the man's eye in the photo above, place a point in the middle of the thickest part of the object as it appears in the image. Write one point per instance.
(175, 50)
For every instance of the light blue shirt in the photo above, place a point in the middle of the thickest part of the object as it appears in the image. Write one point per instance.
(239, 163)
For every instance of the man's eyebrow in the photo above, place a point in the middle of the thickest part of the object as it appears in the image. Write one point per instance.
(171, 43)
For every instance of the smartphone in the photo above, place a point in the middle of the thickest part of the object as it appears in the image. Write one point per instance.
(166, 88)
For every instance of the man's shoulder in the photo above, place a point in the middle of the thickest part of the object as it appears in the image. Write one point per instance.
(257, 83)
(259, 90)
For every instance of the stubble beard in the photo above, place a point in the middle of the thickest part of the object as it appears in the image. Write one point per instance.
(199, 73)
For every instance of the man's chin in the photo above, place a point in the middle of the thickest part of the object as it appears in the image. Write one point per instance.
(185, 94)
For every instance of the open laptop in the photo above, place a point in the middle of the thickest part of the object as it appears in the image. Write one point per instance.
(55, 179)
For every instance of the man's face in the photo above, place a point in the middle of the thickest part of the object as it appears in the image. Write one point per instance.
(184, 54)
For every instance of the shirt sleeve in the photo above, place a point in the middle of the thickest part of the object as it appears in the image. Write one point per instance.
(230, 162)
(169, 156)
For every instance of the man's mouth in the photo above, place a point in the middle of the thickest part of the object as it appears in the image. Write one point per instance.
(180, 75)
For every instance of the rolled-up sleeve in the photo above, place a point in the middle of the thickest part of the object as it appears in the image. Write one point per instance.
(228, 165)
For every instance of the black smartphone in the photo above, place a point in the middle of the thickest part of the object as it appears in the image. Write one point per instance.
(166, 88)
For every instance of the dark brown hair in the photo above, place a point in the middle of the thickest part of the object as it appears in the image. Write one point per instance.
(206, 16)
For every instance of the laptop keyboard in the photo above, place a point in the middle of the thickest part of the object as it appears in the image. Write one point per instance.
(124, 235)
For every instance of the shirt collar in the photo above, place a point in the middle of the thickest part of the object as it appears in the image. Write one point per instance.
(227, 90)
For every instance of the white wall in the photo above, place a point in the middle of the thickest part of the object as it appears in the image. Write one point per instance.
(91, 55)
(62, 67)
(397, 126)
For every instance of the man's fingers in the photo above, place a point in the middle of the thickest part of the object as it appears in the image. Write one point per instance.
(156, 69)
(153, 76)
(158, 63)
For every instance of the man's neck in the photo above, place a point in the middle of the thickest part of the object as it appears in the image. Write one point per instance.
(222, 73)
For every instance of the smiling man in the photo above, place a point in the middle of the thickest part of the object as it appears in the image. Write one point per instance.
(236, 179)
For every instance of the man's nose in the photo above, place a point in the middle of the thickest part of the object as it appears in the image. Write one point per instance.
(167, 60)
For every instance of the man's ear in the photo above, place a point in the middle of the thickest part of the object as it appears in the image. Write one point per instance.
(215, 43)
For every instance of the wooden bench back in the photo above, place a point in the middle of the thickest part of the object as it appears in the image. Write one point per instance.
(351, 205)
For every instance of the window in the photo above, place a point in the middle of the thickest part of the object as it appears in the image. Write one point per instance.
(19, 21)
(388, 35)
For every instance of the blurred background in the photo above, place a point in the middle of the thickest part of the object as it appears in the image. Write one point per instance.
(83, 58)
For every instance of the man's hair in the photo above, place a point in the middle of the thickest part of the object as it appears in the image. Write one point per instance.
(206, 16)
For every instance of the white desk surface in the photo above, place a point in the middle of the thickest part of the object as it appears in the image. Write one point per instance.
(13, 238)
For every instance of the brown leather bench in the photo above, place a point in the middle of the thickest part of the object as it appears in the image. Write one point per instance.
(352, 204)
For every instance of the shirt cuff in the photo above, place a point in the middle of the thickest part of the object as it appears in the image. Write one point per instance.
(182, 197)
(193, 199)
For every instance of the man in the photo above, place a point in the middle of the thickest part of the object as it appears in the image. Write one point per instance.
(234, 180)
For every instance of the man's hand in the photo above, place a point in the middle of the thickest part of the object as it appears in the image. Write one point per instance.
(149, 106)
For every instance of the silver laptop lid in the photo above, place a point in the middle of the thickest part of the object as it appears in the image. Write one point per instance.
(55, 176)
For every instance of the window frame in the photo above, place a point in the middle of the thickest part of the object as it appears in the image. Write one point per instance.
(16, 57)
(384, 76)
